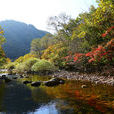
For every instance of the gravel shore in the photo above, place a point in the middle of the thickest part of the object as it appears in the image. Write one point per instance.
(95, 78)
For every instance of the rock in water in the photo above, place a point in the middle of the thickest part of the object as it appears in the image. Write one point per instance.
(36, 84)
(84, 86)
(59, 80)
(26, 82)
(5, 78)
(51, 83)
(54, 82)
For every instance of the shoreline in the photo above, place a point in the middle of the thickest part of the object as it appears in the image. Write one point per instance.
(71, 75)
(94, 78)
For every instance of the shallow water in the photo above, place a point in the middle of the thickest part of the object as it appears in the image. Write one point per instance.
(68, 98)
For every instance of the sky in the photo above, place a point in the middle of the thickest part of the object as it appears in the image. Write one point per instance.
(37, 12)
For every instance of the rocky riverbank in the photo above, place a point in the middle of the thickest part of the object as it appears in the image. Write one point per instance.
(94, 78)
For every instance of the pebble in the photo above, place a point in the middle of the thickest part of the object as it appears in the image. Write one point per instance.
(92, 78)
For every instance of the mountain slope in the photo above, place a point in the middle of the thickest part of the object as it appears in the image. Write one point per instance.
(19, 36)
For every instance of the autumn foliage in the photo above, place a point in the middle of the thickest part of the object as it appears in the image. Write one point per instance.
(97, 56)
(82, 44)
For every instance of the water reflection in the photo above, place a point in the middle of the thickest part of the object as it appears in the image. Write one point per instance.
(70, 98)
(2, 86)
(18, 98)
(47, 109)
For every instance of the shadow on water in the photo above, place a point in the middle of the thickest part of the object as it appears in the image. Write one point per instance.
(2, 88)
(17, 98)
(69, 98)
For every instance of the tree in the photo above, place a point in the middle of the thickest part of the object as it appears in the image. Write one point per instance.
(2, 54)
(58, 22)
(2, 39)
(47, 40)
(38, 45)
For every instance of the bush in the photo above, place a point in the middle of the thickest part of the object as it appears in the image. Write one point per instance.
(43, 66)
(20, 68)
(26, 66)
(32, 65)
(11, 66)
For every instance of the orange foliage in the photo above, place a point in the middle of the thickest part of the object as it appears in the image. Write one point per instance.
(97, 54)
(108, 30)
(8, 60)
(77, 56)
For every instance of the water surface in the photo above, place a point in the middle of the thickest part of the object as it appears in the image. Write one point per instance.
(68, 98)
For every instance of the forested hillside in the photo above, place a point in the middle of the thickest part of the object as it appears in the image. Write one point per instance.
(18, 37)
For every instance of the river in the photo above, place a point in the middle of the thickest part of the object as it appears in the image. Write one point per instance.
(68, 98)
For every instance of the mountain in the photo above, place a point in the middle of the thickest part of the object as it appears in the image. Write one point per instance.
(18, 37)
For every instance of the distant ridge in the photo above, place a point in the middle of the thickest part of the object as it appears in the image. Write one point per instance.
(19, 36)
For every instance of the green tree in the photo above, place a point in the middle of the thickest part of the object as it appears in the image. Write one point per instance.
(38, 45)
(2, 54)
(2, 39)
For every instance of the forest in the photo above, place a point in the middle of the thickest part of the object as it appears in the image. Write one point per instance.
(84, 44)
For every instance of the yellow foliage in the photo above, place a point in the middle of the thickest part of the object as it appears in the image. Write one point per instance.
(82, 34)
(2, 54)
(1, 32)
(8, 60)
(24, 58)
(55, 53)
(27, 56)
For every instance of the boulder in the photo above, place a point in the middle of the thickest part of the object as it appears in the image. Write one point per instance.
(3, 76)
(54, 82)
(51, 83)
(58, 80)
(84, 86)
(36, 84)
(27, 82)
(55, 79)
